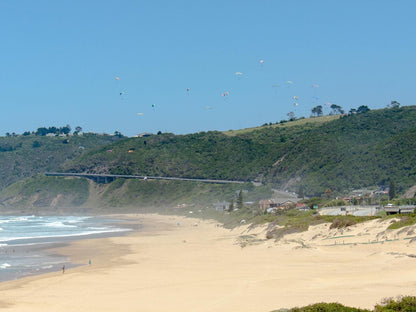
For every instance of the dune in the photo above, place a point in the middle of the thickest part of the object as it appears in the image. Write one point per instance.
(185, 264)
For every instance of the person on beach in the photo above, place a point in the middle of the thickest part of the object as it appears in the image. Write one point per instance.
(63, 269)
(89, 262)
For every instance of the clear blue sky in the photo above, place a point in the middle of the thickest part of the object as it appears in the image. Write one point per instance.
(60, 60)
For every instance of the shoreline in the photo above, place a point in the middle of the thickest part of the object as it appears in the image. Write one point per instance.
(197, 265)
(32, 256)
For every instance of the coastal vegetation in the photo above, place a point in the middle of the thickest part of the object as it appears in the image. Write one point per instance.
(405, 303)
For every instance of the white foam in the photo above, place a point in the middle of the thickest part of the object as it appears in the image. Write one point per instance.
(5, 266)
(59, 224)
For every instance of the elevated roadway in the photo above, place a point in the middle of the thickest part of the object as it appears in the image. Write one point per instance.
(107, 178)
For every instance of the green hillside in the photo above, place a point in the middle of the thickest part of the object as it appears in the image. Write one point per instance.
(27, 155)
(308, 156)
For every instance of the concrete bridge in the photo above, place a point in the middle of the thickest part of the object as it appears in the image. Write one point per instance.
(107, 178)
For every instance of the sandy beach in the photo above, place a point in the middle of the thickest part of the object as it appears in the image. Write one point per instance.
(186, 264)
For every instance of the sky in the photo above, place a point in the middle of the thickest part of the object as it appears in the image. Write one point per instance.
(137, 66)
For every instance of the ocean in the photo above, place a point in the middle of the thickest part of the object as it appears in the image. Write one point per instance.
(24, 240)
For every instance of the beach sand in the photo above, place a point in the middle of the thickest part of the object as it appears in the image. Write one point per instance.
(186, 264)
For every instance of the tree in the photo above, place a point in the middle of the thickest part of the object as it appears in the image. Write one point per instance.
(291, 116)
(317, 111)
(41, 131)
(53, 130)
(328, 193)
(118, 134)
(394, 104)
(352, 111)
(392, 189)
(336, 109)
(301, 191)
(240, 200)
(65, 130)
(362, 109)
(231, 206)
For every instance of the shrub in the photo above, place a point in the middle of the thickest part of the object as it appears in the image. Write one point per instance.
(327, 307)
(339, 223)
(404, 221)
(405, 304)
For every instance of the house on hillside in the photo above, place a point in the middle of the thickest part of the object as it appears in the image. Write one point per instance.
(302, 207)
(266, 204)
(144, 135)
(222, 206)
(270, 206)
(286, 205)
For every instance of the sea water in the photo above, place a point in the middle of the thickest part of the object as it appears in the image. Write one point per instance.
(24, 240)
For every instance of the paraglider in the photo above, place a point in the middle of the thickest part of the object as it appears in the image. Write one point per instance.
(118, 86)
(238, 73)
(295, 98)
(140, 114)
(315, 86)
(224, 95)
(289, 82)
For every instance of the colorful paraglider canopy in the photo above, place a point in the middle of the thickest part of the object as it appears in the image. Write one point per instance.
(117, 78)
(261, 61)
(239, 73)
(140, 114)
(315, 86)
(295, 98)
(289, 82)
